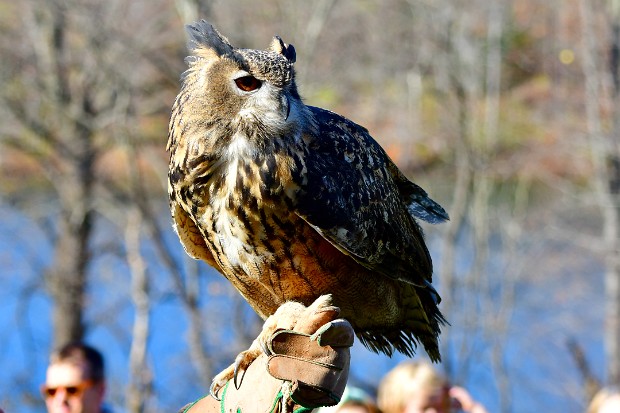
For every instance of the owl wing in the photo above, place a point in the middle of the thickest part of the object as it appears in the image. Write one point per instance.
(190, 236)
(357, 199)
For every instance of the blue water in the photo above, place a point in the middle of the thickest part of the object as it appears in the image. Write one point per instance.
(557, 298)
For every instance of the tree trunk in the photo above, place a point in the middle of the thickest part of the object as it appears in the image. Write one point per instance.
(612, 275)
(140, 383)
(67, 281)
(607, 176)
(70, 169)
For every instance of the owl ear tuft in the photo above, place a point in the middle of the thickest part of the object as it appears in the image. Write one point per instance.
(202, 34)
(287, 50)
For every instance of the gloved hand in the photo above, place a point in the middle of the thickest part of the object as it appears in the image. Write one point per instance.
(302, 368)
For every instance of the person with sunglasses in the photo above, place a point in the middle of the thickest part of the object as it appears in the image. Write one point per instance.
(75, 380)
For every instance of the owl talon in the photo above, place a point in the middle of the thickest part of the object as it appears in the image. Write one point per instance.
(214, 390)
(236, 374)
(264, 347)
(243, 361)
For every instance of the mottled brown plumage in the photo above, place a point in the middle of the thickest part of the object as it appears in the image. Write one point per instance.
(290, 201)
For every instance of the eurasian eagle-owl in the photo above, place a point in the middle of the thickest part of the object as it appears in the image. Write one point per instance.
(290, 202)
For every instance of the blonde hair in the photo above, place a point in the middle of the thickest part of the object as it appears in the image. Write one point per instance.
(404, 381)
(602, 396)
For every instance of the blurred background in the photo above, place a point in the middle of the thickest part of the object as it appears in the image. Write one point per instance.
(506, 111)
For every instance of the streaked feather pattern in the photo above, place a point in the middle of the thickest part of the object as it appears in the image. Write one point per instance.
(290, 202)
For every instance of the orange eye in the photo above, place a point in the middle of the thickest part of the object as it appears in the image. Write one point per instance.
(248, 83)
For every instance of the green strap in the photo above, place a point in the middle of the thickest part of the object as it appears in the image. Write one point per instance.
(279, 396)
(189, 406)
(222, 408)
(275, 402)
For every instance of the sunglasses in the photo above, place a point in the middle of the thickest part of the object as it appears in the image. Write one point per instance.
(72, 391)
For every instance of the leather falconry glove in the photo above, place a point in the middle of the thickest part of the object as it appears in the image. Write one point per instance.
(303, 367)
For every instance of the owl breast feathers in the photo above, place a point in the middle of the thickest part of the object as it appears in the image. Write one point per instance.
(290, 201)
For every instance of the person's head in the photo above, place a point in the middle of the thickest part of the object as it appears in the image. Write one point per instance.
(605, 400)
(75, 381)
(414, 387)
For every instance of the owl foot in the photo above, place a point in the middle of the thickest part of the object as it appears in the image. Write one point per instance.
(288, 316)
(236, 370)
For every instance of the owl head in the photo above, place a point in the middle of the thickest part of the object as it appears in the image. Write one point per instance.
(228, 84)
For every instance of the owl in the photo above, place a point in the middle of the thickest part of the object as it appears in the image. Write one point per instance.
(291, 202)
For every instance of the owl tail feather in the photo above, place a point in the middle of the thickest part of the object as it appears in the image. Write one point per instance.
(422, 324)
